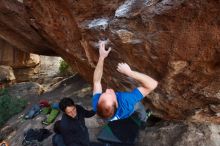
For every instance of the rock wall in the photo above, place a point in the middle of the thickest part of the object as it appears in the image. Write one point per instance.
(6, 75)
(16, 58)
(174, 41)
(24, 64)
(15, 28)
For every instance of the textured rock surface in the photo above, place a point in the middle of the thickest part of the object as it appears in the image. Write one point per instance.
(6, 74)
(15, 29)
(174, 41)
(180, 134)
(47, 68)
(16, 58)
(28, 66)
(25, 89)
(163, 133)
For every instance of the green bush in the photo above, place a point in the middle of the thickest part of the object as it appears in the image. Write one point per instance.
(63, 67)
(9, 106)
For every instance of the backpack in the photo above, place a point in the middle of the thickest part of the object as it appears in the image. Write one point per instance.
(34, 137)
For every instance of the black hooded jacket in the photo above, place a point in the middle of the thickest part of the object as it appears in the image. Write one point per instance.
(74, 130)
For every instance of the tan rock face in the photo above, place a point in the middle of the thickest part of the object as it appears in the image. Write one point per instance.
(176, 42)
(15, 58)
(6, 74)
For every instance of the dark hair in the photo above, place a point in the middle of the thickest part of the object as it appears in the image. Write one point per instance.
(66, 102)
(106, 112)
(57, 127)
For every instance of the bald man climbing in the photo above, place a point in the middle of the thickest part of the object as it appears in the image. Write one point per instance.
(113, 105)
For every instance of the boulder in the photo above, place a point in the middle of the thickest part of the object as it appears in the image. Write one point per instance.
(25, 90)
(16, 58)
(174, 41)
(180, 134)
(6, 74)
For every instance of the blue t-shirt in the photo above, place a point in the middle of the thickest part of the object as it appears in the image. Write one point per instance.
(126, 102)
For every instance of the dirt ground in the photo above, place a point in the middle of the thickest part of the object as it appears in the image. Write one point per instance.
(161, 133)
(73, 87)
